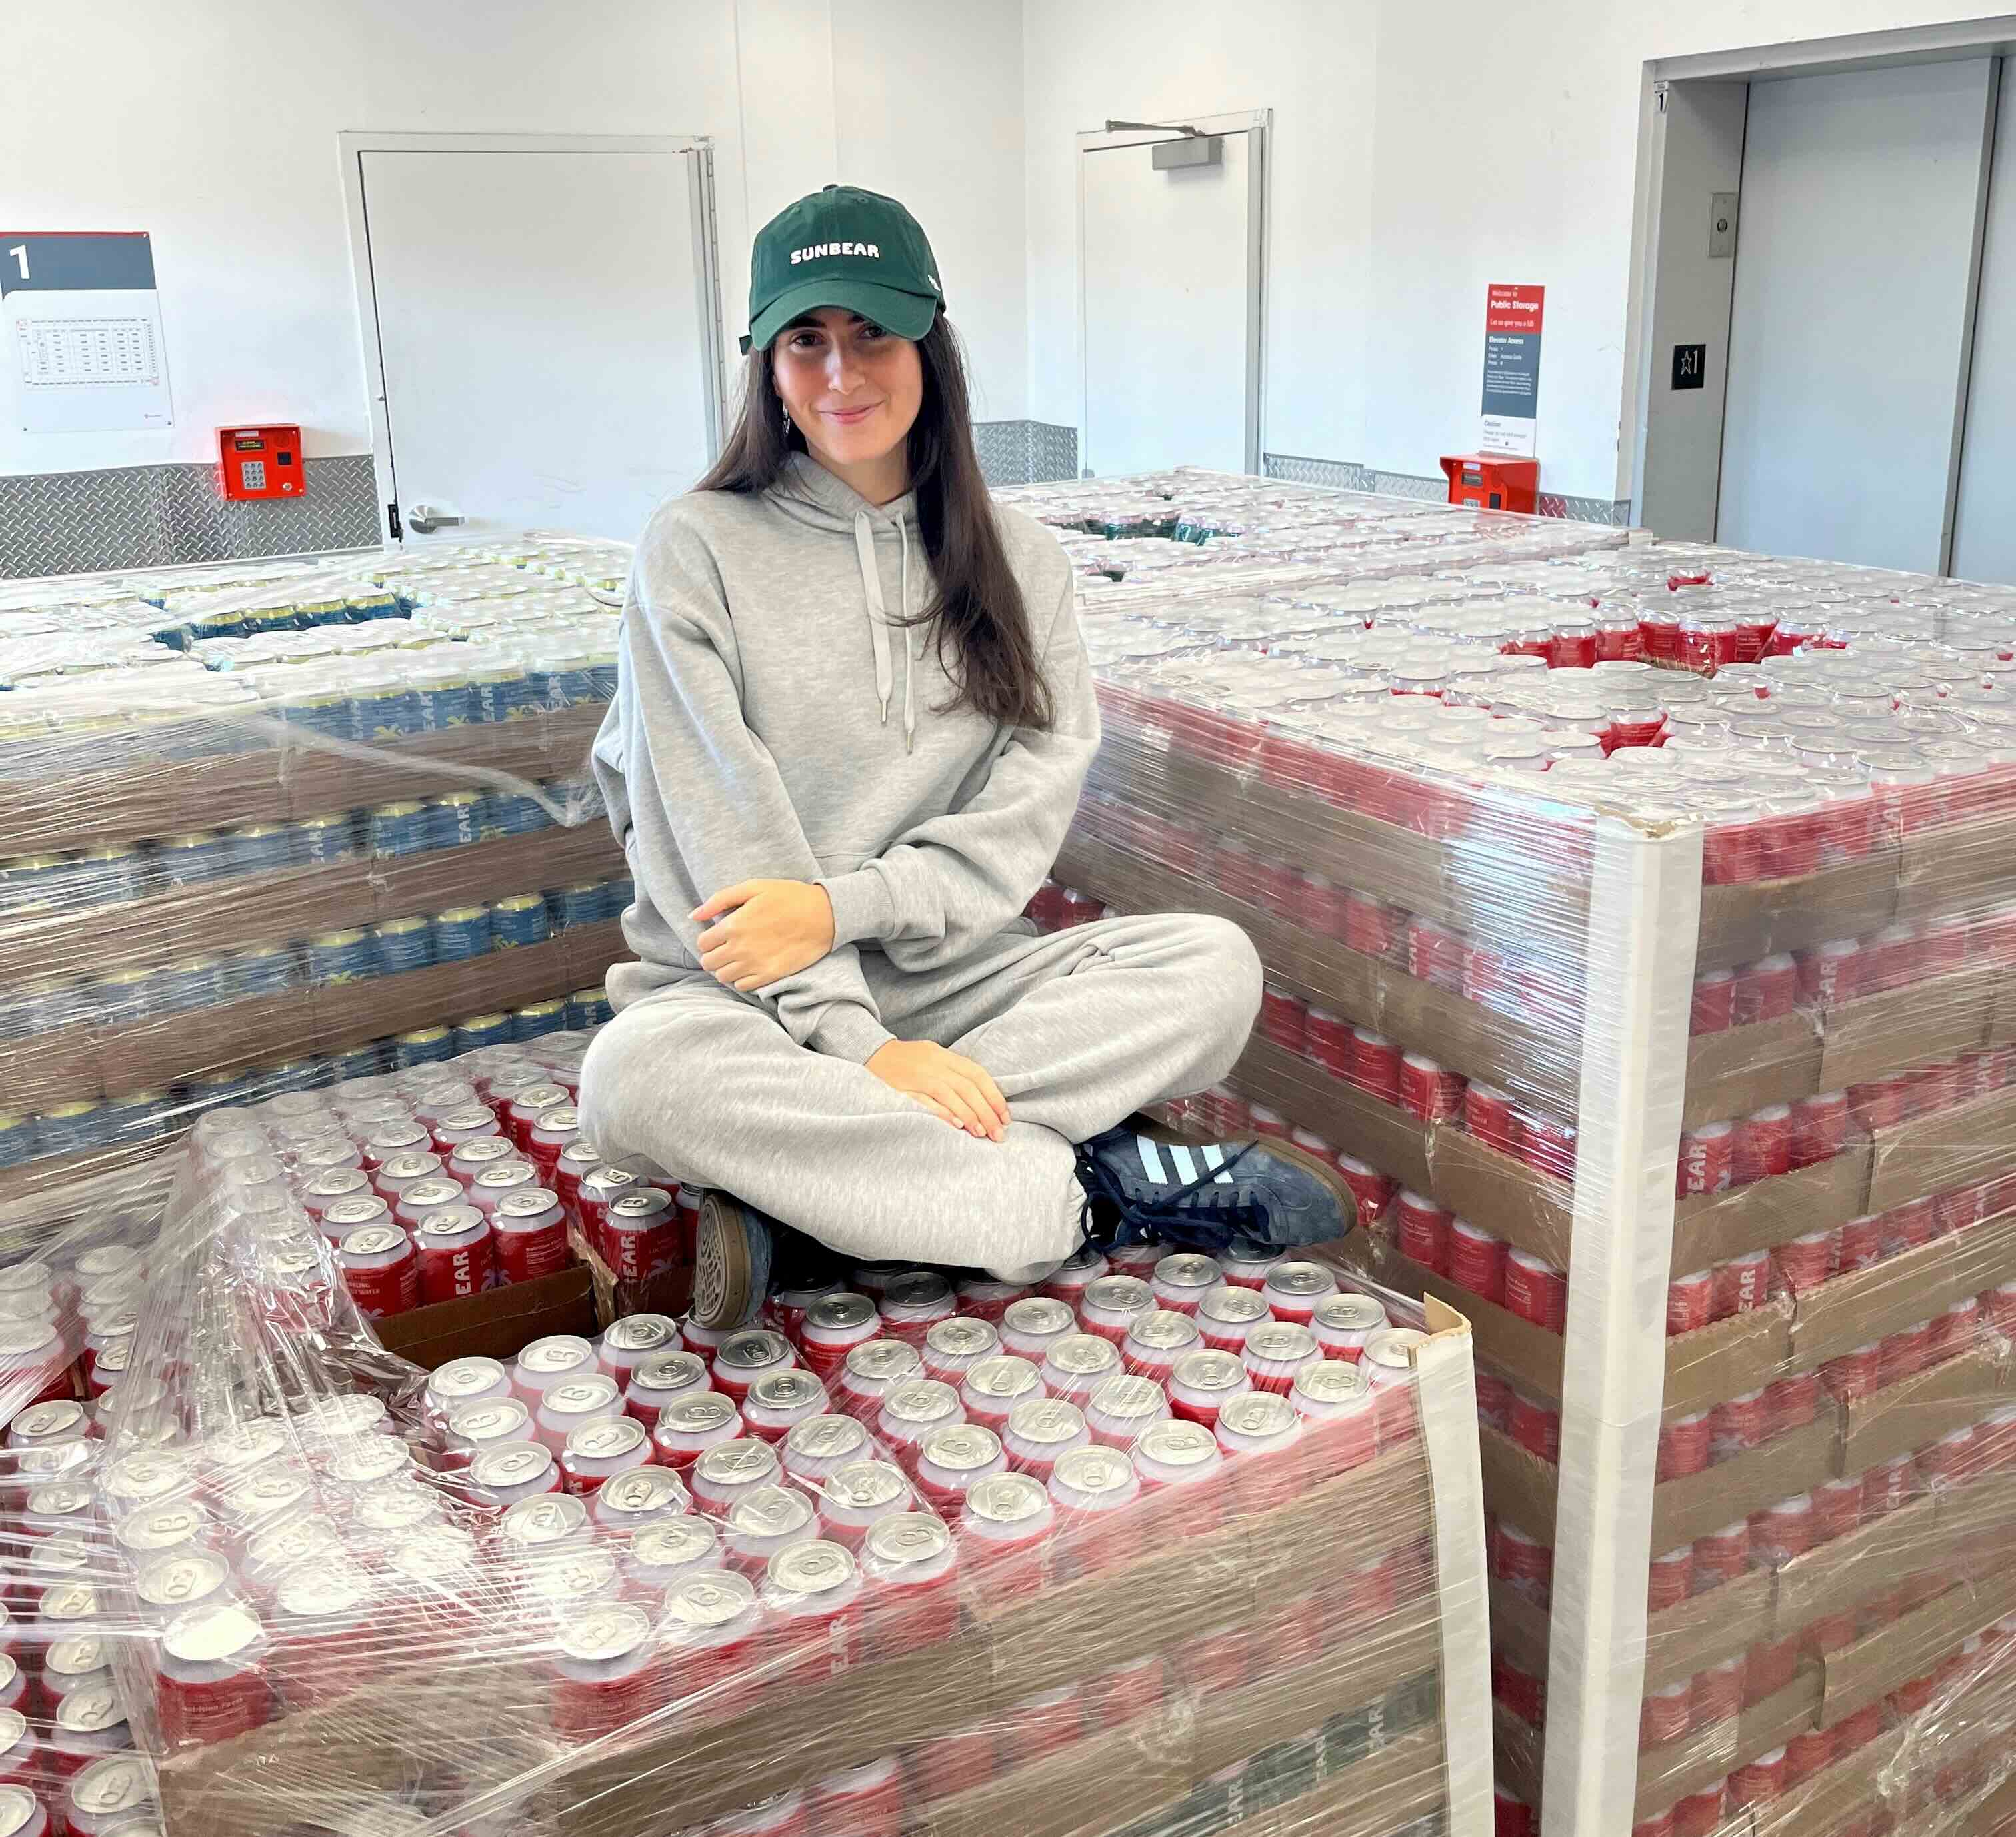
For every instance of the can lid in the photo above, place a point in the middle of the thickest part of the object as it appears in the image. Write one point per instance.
(284, 1546)
(1258, 1414)
(841, 1312)
(74, 1657)
(416, 1164)
(89, 1710)
(337, 1183)
(810, 1570)
(1127, 1399)
(1006, 1499)
(576, 1573)
(120, 1782)
(743, 1462)
(1042, 1316)
(1083, 1355)
(608, 1179)
(355, 1213)
(374, 1240)
(672, 1371)
(1046, 1420)
(963, 1336)
(465, 1377)
(908, 1539)
(1211, 1371)
(211, 1635)
(19, 1808)
(1118, 1295)
(538, 1523)
(647, 1489)
(641, 1332)
(1279, 1342)
(609, 1438)
(605, 1635)
(866, 1486)
(1164, 1331)
(699, 1414)
(1390, 1348)
(1189, 1270)
(523, 1197)
(790, 1390)
(1234, 1307)
(1333, 1381)
(916, 1291)
(884, 1360)
(58, 1418)
(920, 1400)
(63, 1498)
(674, 1543)
(484, 1149)
(713, 1598)
(1351, 1314)
(510, 1464)
(1301, 1279)
(644, 1203)
(1003, 1375)
(557, 1352)
(177, 1581)
(770, 1511)
(754, 1348)
(447, 1223)
(1101, 1473)
(963, 1447)
(13, 1726)
(402, 1506)
(826, 1438)
(580, 1397)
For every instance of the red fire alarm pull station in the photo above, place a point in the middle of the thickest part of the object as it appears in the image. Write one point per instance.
(261, 461)
(1491, 481)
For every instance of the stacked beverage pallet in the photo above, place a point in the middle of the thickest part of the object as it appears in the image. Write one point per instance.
(1757, 967)
(923, 1553)
(269, 826)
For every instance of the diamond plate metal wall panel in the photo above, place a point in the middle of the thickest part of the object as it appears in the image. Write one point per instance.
(1615, 512)
(1053, 451)
(1004, 450)
(1299, 470)
(69, 522)
(1408, 484)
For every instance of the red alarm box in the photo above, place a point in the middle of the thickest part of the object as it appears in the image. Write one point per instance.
(1491, 481)
(261, 461)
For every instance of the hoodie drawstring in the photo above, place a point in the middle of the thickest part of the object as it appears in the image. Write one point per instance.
(878, 625)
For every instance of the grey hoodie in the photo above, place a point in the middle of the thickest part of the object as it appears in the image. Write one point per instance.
(771, 722)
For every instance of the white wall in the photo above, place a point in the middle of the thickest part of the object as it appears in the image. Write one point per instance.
(1421, 152)
(213, 126)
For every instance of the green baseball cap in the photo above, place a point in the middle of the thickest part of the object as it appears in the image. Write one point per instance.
(846, 247)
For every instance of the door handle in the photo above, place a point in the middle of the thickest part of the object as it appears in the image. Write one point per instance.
(427, 518)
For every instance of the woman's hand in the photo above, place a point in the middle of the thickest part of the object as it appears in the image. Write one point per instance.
(954, 1089)
(773, 928)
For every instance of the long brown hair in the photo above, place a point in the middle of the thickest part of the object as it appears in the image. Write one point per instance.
(982, 625)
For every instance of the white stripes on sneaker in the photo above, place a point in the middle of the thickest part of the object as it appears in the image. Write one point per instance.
(1184, 1160)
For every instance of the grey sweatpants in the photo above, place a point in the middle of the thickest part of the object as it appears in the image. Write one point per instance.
(694, 1083)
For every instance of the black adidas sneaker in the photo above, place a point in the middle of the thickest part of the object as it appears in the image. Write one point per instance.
(1204, 1195)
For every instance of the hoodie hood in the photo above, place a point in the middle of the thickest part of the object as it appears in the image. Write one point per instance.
(807, 493)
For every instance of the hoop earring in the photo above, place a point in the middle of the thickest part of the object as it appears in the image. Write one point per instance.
(787, 424)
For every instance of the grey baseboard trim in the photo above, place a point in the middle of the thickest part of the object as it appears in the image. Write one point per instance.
(1350, 476)
(1026, 452)
(140, 516)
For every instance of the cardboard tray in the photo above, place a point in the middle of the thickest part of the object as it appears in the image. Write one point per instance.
(495, 1323)
(124, 796)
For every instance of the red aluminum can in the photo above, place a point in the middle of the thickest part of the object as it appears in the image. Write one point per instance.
(1905, 1354)
(1525, 1564)
(1536, 1425)
(1429, 1090)
(1369, 926)
(210, 1674)
(1421, 1229)
(1722, 1556)
(1784, 1530)
(1758, 1781)
(1909, 1227)
(1742, 1284)
(1666, 1716)
(1226, 1315)
(456, 1252)
(913, 1302)
(1518, 1689)
(1204, 1383)
(382, 1271)
(1494, 1401)
(1375, 1065)
(1372, 1190)
(1683, 1446)
(1861, 1242)
(1808, 1260)
(1767, 990)
(1707, 1160)
(1837, 1507)
(1434, 954)
(1700, 1813)
(1888, 1486)
(1295, 1291)
(1719, 1691)
(1830, 973)
(1737, 1425)
(1669, 1579)
(1714, 1002)
(1488, 1115)
(1476, 1259)
(1545, 1145)
(1536, 1291)
(1819, 1128)
(1510, 1815)
(833, 1326)
(1763, 1146)
(530, 1234)
(1328, 1038)
(1689, 1303)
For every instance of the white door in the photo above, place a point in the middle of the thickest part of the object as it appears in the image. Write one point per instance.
(1851, 303)
(1170, 261)
(1984, 521)
(547, 335)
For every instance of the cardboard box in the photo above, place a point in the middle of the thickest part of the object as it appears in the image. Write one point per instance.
(495, 1323)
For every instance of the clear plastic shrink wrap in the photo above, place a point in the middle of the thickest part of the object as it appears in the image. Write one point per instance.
(261, 824)
(856, 1570)
(1638, 922)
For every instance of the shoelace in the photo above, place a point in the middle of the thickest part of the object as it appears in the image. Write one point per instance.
(1165, 1212)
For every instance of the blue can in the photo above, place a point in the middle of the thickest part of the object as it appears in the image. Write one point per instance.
(539, 1019)
(330, 836)
(602, 677)
(191, 984)
(503, 692)
(318, 711)
(579, 905)
(311, 613)
(259, 848)
(399, 828)
(512, 814)
(125, 996)
(381, 604)
(109, 875)
(338, 957)
(401, 944)
(192, 860)
(518, 920)
(454, 819)
(589, 1007)
(17, 1140)
(560, 679)
(37, 880)
(209, 1090)
(388, 709)
(262, 969)
(423, 1046)
(70, 1128)
(42, 1006)
(366, 1061)
(447, 694)
(278, 616)
(208, 625)
(290, 1074)
(462, 932)
(482, 1029)
(141, 1116)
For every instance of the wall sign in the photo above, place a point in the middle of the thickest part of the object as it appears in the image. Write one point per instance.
(1512, 316)
(83, 326)
(1689, 366)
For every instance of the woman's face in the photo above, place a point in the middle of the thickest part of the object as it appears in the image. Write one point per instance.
(852, 388)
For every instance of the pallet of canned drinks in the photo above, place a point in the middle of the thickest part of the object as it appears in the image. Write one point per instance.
(919, 1552)
(260, 818)
(1659, 999)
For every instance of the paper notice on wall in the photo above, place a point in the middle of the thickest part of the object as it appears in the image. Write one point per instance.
(82, 323)
(1512, 317)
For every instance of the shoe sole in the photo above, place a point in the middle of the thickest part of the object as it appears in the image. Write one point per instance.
(723, 1275)
(1347, 1201)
